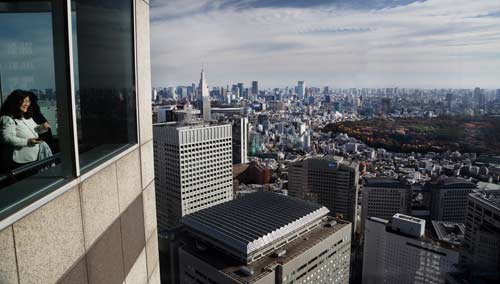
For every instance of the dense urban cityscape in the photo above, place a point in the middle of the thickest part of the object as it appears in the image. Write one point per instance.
(249, 142)
(413, 172)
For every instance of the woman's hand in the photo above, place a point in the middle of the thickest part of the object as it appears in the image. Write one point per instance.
(33, 141)
(45, 125)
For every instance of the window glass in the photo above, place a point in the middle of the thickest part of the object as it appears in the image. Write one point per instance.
(30, 100)
(104, 78)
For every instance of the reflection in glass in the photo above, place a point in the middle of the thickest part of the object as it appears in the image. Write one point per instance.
(29, 141)
(104, 77)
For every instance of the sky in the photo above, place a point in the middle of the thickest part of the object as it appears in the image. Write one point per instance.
(337, 43)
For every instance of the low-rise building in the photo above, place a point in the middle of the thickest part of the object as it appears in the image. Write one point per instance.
(264, 238)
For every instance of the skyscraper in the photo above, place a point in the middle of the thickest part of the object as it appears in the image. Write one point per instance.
(400, 252)
(236, 91)
(301, 89)
(193, 164)
(480, 98)
(384, 197)
(255, 88)
(449, 199)
(482, 233)
(329, 181)
(449, 100)
(204, 98)
(326, 90)
(386, 105)
(241, 90)
(240, 139)
(264, 238)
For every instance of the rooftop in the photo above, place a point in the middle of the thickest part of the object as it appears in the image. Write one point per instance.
(408, 218)
(384, 182)
(192, 124)
(454, 182)
(255, 221)
(262, 267)
(216, 109)
(449, 232)
(447, 235)
(487, 186)
(491, 197)
(334, 160)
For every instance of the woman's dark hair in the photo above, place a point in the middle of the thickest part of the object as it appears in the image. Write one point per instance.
(12, 105)
(35, 111)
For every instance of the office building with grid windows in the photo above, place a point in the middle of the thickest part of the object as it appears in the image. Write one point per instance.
(399, 251)
(482, 233)
(384, 197)
(329, 181)
(449, 199)
(193, 164)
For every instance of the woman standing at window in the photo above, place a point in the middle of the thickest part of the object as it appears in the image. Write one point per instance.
(19, 132)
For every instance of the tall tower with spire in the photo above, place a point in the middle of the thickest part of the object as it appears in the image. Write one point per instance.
(202, 86)
(204, 98)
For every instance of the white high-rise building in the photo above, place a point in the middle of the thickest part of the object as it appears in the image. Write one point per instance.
(400, 252)
(193, 164)
(301, 89)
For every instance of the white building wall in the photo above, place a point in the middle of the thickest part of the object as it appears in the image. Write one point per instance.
(194, 169)
(389, 257)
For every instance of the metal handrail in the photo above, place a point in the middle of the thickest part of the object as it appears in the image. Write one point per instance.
(37, 165)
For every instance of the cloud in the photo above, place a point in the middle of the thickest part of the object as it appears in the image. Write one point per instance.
(434, 43)
(334, 30)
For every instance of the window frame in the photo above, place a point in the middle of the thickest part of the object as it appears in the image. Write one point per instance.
(79, 169)
(62, 26)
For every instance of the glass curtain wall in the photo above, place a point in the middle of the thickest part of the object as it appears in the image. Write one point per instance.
(67, 92)
(104, 77)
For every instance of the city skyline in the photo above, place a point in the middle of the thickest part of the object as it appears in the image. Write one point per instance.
(412, 44)
(286, 142)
